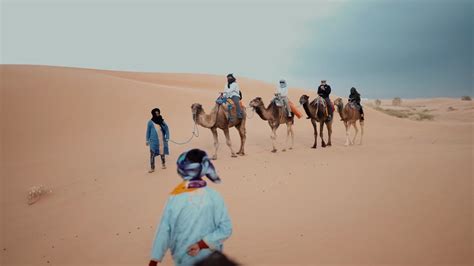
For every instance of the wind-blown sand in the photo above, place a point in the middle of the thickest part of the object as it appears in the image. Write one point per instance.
(405, 197)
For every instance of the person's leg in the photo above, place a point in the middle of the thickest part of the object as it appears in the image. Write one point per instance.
(152, 162)
(361, 112)
(236, 101)
(163, 161)
(229, 111)
(287, 105)
(330, 108)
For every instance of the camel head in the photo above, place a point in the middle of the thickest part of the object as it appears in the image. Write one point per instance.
(196, 109)
(304, 99)
(257, 102)
(338, 102)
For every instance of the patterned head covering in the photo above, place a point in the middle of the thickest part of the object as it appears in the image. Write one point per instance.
(194, 164)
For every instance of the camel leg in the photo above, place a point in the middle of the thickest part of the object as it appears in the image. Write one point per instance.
(315, 129)
(241, 129)
(216, 142)
(292, 136)
(273, 137)
(329, 127)
(348, 126)
(356, 133)
(228, 142)
(321, 127)
(288, 129)
(361, 131)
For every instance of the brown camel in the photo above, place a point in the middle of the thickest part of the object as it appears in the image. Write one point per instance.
(218, 119)
(275, 116)
(318, 113)
(349, 115)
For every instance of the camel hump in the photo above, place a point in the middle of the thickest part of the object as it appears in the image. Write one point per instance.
(318, 101)
(353, 106)
(230, 111)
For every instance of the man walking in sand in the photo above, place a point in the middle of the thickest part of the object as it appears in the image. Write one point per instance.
(195, 221)
(157, 136)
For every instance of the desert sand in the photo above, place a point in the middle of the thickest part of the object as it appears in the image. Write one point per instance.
(404, 197)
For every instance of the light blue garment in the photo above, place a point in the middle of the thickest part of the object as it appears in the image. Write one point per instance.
(152, 137)
(188, 218)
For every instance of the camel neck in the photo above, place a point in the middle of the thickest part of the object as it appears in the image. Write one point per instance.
(341, 111)
(207, 120)
(262, 112)
(307, 110)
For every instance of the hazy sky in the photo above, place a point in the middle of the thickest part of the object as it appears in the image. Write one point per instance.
(385, 48)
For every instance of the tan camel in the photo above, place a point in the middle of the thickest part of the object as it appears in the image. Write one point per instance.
(275, 116)
(218, 119)
(349, 115)
(317, 111)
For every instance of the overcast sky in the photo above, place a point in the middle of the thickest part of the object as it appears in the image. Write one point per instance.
(385, 48)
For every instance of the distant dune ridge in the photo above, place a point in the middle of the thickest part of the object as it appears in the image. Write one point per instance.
(405, 197)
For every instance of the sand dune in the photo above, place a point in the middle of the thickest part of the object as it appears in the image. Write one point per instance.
(441, 109)
(405, 197)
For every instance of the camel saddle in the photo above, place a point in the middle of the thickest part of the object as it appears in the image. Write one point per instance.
(321, 102)
(229, 108)
(353, 105)
(278, 101)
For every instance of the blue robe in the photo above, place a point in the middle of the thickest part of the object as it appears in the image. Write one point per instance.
(188, 218)
(152, 137)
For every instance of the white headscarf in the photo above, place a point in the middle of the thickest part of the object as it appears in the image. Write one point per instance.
(283, 88)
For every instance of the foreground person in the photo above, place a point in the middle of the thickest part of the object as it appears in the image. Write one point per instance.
(195, 221)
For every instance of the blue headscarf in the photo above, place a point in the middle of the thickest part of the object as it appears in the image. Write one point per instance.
(193, 169)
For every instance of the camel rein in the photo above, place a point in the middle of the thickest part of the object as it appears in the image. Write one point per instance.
(195, 133)
(253, 114)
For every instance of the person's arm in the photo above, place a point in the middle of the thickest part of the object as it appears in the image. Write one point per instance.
(226, 91)
(234, 89)
(148, 134)
(224, 226)
(216, 238)
(162, 237)
(328, 90)
(167, 132)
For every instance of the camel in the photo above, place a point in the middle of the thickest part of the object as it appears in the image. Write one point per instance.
(349, 115)
(275, 116)
(318, 113)
(218, 119)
